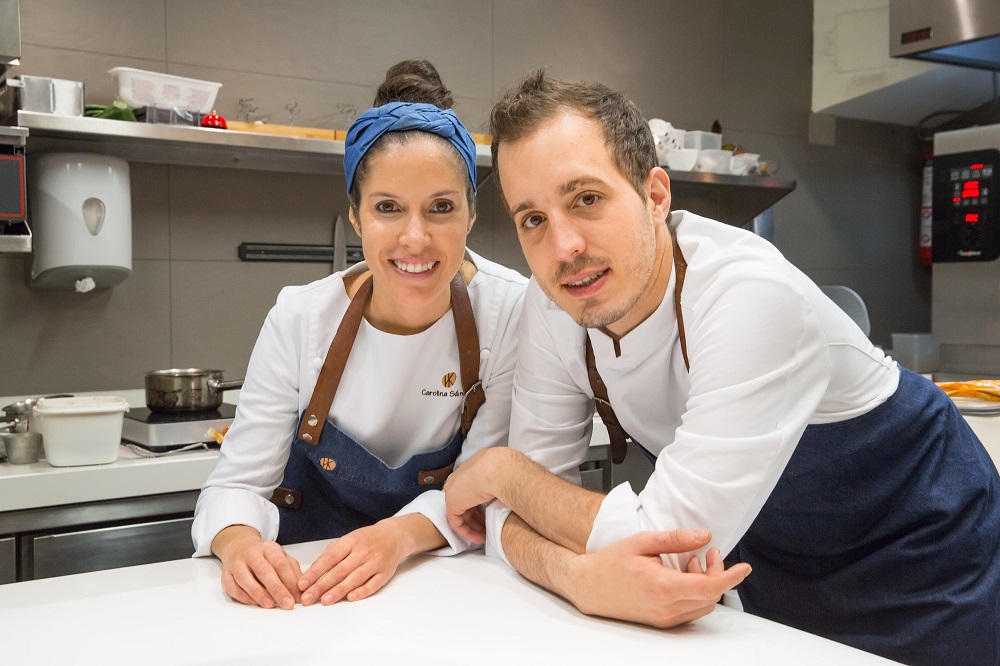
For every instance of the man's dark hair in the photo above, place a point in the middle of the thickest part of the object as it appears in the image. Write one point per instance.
(538, 98)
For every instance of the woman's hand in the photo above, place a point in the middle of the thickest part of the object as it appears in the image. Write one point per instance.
(358, 564)
(256, 572)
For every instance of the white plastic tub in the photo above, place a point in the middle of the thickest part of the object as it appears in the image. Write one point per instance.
(81, 431)
(139, 88)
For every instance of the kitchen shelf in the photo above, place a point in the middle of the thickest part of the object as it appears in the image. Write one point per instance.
(190, 146)
(732, 199)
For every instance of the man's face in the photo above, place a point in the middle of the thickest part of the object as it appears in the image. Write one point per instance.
(588, 236)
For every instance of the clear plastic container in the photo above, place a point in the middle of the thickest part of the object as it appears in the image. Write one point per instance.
(139, 88)
(702, 140)
(81, 431)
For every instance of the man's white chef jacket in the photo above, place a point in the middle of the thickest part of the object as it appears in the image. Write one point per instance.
(769, 354)
(391, 397)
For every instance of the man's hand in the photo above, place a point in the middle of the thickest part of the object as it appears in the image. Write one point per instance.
(467, 489)
(256, 572)
(628, 581)
(358, 564)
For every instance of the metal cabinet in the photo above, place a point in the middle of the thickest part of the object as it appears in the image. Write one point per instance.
(51, 555)
(8, 560)
(75, 538)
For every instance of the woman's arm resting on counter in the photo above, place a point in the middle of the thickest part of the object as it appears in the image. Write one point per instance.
(254, 571)
(358, 564)
(555, 508)
(626, 581)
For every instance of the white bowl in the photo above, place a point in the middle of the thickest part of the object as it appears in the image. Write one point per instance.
(81, 431)
(714, 161)
(682, 159)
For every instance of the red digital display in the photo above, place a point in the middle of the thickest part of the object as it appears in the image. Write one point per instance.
(972, 217)
(976, 166)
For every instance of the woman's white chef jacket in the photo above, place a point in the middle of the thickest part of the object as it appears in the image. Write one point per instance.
(769, 354)
(391, 397)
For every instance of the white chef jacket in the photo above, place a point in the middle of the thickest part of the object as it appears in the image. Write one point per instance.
(391, 398)
(769, 354)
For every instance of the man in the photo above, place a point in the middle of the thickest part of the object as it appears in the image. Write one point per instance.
(867, 508)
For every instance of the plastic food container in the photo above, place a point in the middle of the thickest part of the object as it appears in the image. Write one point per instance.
(714, 161)
(81, 431)
(702, 140)
(139, 88)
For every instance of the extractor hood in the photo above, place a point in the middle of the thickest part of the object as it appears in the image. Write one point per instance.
(955, 32)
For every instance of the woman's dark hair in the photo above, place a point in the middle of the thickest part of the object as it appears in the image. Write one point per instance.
(415, 81)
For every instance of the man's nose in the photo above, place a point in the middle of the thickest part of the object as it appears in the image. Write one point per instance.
(567, 241)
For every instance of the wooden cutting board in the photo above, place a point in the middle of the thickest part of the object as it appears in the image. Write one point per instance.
(315, 132)
(287, 130)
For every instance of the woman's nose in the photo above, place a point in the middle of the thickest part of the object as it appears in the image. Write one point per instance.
(414, 231)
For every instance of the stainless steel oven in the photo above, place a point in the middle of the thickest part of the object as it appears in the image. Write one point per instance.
(965, 302)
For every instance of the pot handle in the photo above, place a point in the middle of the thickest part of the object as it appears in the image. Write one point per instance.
(218, 387)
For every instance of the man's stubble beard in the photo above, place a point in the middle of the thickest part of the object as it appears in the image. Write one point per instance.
(590, 316)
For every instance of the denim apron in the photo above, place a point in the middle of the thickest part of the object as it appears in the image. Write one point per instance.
(332, 483)
(883, 531)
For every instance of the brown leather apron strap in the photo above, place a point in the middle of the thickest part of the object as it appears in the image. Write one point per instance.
(616, 433)
(468, 351)
(333, 368)
(336, 359)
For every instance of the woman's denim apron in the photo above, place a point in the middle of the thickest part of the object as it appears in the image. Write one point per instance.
(332, 483)
(883, 531)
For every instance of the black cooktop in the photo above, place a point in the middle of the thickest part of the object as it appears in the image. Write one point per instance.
(146, 415)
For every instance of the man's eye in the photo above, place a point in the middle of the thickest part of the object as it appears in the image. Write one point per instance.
(531, 221)
(443, 207)
(589, 199)
(385, 207)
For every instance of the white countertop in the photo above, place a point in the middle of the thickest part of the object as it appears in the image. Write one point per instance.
(443, 611)
(41, 485)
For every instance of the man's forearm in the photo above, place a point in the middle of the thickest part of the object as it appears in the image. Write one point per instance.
(536, 558)
(553, 507)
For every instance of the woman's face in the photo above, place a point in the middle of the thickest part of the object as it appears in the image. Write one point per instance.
(413, 218)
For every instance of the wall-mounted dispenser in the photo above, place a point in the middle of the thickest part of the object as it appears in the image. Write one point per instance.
(81, 215)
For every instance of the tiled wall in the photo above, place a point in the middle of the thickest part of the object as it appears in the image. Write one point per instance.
(191, 302)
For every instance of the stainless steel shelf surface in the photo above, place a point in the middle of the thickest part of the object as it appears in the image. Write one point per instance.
(732, 199)
(191, 146)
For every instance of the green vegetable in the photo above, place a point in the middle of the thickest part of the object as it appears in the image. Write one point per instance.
(118, 110)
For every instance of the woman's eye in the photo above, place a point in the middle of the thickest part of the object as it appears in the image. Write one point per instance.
(385, 207)
(531, 221)
(589, 199)
(443, 207)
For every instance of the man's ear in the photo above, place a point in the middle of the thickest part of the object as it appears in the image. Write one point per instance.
(354, 221)
(657, 188)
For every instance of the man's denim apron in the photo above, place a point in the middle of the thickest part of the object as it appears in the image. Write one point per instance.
(332, 483)
(883, 531)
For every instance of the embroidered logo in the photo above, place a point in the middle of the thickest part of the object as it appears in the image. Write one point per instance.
(449, 380)
(327, 463)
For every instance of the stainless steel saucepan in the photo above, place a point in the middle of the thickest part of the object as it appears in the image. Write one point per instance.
(186, 389)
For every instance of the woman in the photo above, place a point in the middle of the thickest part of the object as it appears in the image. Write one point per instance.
(352, 435)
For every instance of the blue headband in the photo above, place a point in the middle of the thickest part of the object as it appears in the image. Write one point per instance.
(399, 116)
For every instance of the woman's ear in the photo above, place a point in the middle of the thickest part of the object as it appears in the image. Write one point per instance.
(472, 220)
(353, 217)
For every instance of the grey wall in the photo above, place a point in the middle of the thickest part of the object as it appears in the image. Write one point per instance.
(191, 302)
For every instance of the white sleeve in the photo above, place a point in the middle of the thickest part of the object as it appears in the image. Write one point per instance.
(256, 448)
(491, 426)
(759, 367)
(551, 416)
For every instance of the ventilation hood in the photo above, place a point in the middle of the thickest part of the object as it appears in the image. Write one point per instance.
(955, 32)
